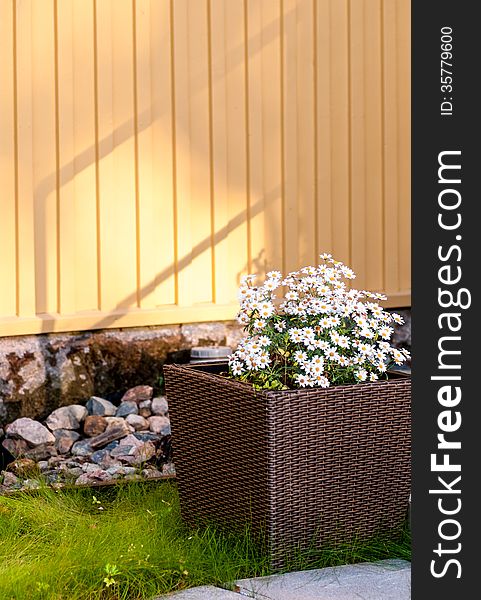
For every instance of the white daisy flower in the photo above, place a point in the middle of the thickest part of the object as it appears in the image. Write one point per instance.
(300, 357)
(330, 353)
(264, 340)
(361, 375)
(386, 332)
(274, 275)
(322, 381)
(302, 380)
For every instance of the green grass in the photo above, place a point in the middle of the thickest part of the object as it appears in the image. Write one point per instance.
(127, 543)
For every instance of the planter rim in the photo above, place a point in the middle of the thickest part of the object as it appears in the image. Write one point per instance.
(396, 379)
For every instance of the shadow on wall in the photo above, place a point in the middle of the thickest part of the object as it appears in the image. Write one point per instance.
(132, 128)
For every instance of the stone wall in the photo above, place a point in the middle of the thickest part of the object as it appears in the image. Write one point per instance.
(40, 373)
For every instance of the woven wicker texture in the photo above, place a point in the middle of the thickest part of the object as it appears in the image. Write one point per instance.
(306, 467)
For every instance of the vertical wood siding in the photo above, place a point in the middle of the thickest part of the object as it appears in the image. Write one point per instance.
(153, 151)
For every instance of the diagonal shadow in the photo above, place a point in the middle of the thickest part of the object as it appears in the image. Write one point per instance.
(97, 151)
(201, 247)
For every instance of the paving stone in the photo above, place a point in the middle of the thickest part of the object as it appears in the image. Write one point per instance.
(383, 580)
(206, 592)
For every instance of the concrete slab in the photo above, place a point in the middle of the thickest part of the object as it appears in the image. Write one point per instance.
(384, 580)
(206, 592)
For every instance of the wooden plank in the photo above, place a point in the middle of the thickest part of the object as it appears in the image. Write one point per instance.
(25, 198)
(147, 214)
(358, 140)
(290, 121)
(404, 140)
(84, 158)
(339, 90)
(118, 239)
(124, 221)
(157, 169)
(391, 148)
(254, 49)
(324, 132)
(182, 151)
(200, 192)
(120, 317)
(272, 104)
(218, 120)
(8, 274)
(237, 199)
(66, 151)
(374, 222)
(44, 157)
(307, 125)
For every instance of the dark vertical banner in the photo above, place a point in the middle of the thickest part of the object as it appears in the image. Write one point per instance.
(446, 200)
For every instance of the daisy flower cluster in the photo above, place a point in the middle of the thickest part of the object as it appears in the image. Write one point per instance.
(315, 331)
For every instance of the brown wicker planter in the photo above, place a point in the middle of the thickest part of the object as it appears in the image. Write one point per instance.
(304, 467)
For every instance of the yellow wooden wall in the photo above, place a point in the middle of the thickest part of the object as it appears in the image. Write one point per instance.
(152, 151)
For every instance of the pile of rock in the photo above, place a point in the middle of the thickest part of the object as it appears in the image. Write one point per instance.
(98, 442)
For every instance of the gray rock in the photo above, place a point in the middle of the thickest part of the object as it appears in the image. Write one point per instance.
(82, 448)
(64, 439)
(159, 425)
(41, 452)
(99, 456)
(160, 406)
(131, 440)
(140, 454)
(168, 469)
(148, 436)
(145, 408)
(121, 470)
(127, 408)
(103, 459)
(114, 421)
(66, 417)
(74, 472)
(137, 422)
(90, 467)
(151, 473)
(122, 451)
(16, 448)
(9, 480)
(112, 445)
(92, 477)
(138, 394)
(33, 432)
(100, 407)
(43, 465)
